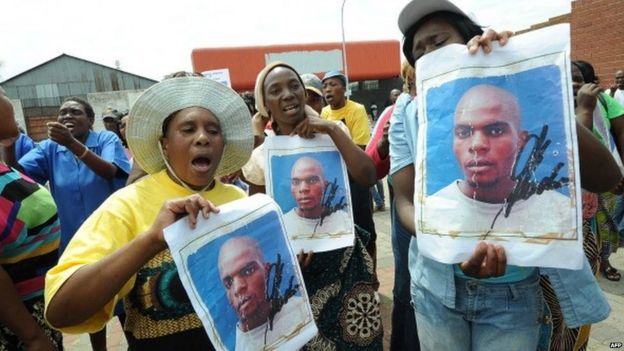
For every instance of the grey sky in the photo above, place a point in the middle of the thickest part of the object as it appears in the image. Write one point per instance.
(152, 38)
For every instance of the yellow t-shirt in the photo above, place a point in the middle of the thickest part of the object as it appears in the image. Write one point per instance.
(354, 116)
(122, 217)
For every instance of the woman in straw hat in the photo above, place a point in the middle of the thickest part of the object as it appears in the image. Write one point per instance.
(510, 304)
(184, 132)
(338, 280)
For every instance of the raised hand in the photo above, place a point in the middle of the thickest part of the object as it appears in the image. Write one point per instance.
(485, 40)
(59, 133)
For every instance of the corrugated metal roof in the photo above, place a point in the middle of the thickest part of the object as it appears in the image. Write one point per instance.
(77, 58)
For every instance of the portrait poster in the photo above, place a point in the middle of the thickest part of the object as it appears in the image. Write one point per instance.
(497, 156)
(242, 277)
(309, 181)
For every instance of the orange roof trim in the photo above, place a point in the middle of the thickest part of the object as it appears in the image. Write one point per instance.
(366, 60)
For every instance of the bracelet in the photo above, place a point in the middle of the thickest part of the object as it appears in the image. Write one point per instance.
(84, 153)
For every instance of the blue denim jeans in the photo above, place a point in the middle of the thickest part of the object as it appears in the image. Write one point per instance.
(404, 334)
(377, 192)
(486, 317)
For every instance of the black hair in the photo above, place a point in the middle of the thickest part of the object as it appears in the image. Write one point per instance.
(464, 26)
(87, 106)
(180, 74)
(587, 70)
(250, 101)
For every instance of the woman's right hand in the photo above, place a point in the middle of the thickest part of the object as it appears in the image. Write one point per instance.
(174, 209)
(587, 96)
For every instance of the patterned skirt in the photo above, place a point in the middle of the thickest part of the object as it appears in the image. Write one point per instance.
(345, 304)
(10, 342)
(608, 233)
(556, 336)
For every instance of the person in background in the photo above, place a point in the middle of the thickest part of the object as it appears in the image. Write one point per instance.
(354, 116)
(607, 123)
(314, 88)
(616, 90)
(392, 97)
(110, 118)
(29, 247)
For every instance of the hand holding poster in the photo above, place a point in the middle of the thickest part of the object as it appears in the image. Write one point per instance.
(508, 171)
(242, 277)
(309, 181)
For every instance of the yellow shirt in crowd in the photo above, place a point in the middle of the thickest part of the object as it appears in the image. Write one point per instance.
(354, 116)
(122, 217)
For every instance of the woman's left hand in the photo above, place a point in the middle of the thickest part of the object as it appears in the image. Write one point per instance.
(311, 124)
(304, 259)
(485, 40)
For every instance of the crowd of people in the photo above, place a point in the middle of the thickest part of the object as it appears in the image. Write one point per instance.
(83, 212)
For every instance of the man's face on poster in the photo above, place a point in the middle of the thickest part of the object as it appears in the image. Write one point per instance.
(487, 135)
(243, 273)
(307, 184)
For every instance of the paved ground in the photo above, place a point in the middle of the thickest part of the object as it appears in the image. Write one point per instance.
(604, 333)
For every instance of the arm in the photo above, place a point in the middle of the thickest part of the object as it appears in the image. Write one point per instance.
(15, 316)
(81, 296)
(599, 172)
(359, 165)
(258, 124)
(403, 183)
(61, 134)
(378, 149)
(586, 103)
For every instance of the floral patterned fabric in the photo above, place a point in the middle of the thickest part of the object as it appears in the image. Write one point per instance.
(344, 301)
(10, 342)
(556, 336)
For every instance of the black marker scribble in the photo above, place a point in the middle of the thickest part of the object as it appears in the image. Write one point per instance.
(525, 187)
(328, 197)
(276, 300)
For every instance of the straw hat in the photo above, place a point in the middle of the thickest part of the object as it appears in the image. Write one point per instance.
(171, 95)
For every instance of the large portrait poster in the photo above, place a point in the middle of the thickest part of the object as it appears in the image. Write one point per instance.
(309, 181)
(497, 152)
(243, 278)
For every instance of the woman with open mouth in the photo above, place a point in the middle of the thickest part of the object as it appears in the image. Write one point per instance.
(184, 132)
(331, 277)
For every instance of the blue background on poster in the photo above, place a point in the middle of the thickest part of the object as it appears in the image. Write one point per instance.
(204, 271)
(539, 95)
(281, 166)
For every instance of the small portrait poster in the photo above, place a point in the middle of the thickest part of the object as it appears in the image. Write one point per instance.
(497, 152)
(308, 179)
(243, 278)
